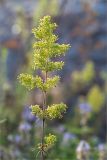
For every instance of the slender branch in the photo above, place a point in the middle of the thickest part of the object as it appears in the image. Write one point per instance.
(43, 121)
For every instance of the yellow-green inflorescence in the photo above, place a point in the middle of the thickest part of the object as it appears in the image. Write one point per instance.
(45, 48)
(49, 141)
(51, 112)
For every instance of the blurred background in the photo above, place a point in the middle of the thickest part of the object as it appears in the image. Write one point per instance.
(82, 131)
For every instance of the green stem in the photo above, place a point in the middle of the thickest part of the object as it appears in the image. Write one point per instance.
(43, 121)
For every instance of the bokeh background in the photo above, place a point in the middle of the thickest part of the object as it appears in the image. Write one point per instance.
(83, 24)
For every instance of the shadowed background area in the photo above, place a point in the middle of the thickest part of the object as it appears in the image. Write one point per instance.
(83, 86)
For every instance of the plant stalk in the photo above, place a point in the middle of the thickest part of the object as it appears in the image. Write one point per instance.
(43, 121)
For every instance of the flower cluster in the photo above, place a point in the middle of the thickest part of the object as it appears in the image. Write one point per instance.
(30, 82)
(46, 47)
(50, 140)
(56, 110)
(51, 112)
(26, 80)
(45, 29)
(37, 111)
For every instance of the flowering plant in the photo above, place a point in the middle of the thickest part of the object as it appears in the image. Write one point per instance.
(45, 48)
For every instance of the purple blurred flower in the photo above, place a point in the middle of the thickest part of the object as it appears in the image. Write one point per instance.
(101, 147)
(27, 115)
(14, 138)
(83, 146)
(84, 108)
(25, 127)
(17, 139)
(59, 129)
(67, 137)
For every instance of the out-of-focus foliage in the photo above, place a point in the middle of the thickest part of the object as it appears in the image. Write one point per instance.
(85, 75)
(46, 7)
(88, 72)
(96, 98)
